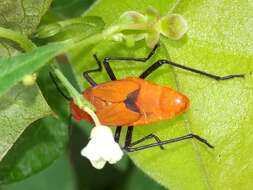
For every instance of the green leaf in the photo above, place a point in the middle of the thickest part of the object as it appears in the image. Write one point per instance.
(22, 17)
(15, 68)
(137, 180)
(19, 108)
(37, 147)
(58, 176)
(219, 41)
(66, 8)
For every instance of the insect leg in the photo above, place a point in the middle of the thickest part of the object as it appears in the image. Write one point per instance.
(185, 137)
(159, 63)
(128, 136)
(128, 140)
(117, 134)
(146, 138)
(86, 73)
(108, 59)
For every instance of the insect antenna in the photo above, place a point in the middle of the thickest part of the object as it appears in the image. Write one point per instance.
(58, 87)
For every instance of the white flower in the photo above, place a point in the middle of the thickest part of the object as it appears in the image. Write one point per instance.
(102, 147)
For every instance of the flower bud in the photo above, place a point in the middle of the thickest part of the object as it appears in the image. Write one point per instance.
(48, 31)
(29, 80)
(173, 26)
(132, 17)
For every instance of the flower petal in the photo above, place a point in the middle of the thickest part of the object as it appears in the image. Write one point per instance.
(101, 132)
(91, 151)
(132, 17)
(152, 14)
(98, 164)
(116, 154)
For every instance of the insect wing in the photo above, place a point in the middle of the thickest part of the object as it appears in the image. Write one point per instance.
(114, 91)
(117, 114)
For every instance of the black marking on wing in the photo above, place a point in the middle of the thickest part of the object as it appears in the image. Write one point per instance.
(130, 101)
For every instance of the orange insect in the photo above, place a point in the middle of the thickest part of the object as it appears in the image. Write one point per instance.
(135, 101)
(132, 101)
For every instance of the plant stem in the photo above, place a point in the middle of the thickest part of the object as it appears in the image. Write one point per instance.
(80, 42)
(78, 98)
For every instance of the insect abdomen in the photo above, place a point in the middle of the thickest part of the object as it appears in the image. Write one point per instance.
(158, 103)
